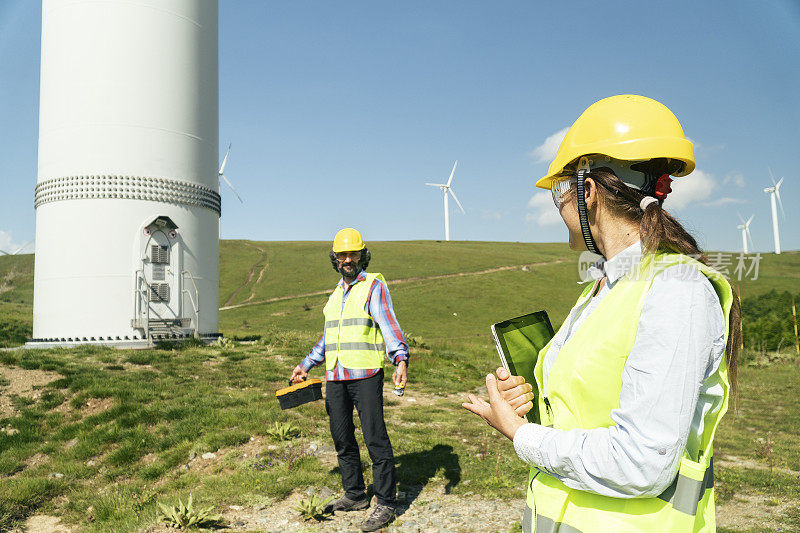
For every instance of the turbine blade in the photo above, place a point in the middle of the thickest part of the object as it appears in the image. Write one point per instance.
(456, 199)
(231, 186)
(22, 247)
(778, 196)
(225, 160)
(750, 238)
(771, 176)
(450, 180)
(749, 220)
(436, 184)
(4, 252)
(740, 217)
(778, 185)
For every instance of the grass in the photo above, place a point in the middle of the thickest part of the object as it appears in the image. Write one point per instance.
(168, 407)
(128, 428)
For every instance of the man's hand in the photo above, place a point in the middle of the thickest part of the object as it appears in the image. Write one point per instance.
(498, 413)
(400, 376)
(298, 375)
(515, 391)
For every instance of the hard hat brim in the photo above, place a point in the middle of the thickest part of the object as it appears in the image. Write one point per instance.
(338, 249)
(635, 150)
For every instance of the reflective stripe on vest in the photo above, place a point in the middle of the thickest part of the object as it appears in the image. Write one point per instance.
(686, 493)
(351, 335)
(544, 524)
(351, 322)
(353, 346)
(583, 388)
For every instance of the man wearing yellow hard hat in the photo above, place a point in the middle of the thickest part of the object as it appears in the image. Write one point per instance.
(631, 389)
(360, 330)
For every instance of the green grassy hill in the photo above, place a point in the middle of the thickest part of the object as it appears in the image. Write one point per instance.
(440, 290)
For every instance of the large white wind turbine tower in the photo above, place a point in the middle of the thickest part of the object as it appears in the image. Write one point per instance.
(745, 227)
(446, 188)
(775, 197)
(127, 196)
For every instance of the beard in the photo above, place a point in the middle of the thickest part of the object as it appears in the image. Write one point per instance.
(349, 269)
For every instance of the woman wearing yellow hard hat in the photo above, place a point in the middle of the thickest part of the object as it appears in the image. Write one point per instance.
(632, 387)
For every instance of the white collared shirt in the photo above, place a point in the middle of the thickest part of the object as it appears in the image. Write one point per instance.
(668, 384)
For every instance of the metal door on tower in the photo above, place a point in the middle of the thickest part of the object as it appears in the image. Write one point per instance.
(161, 276)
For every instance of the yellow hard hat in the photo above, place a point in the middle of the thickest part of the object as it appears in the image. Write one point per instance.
(348, 240)
(627, 128)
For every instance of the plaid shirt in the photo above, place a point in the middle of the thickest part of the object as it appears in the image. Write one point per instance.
(379, 307)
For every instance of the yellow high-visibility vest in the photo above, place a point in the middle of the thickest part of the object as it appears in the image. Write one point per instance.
(351, 336)
(583, 388)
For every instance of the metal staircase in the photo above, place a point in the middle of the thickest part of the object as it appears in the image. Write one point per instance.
(157, 328)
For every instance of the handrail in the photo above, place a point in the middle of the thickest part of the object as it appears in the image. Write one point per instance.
(146, 293)
(195, 306)
(142, 292)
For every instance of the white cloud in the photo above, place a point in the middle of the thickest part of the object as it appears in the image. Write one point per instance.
(541, 200)
(544, 212)
(546, 152)
(7, 243)
(694, 188)
(724, 201)
(735, 178)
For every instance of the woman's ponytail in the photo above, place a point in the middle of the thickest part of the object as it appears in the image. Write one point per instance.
(658, 230)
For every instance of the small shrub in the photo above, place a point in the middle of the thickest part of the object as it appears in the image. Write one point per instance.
(186, 516)
(283, 431)
(224, 342)
(287, 457)
(141, 499)
(314, 508)
(415, 341)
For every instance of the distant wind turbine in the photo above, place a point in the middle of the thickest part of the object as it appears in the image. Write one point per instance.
(222, 173)
(18, 249)
(445, 187)
(775, 193)
(745, 227)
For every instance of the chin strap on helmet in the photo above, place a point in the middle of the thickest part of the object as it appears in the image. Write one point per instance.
(582, 214)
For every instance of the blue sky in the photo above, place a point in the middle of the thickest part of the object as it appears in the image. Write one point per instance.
(340, 112)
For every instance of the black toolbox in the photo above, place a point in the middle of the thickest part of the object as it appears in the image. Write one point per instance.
(300, 393)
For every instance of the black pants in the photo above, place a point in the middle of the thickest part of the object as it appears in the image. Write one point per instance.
(367, 397)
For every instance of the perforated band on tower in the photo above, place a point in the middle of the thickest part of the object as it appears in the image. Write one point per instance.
(128, 188)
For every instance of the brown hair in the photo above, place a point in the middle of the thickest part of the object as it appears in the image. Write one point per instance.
(658, 230)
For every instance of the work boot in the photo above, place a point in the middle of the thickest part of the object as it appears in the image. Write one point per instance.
(346, 504)
(380, 517)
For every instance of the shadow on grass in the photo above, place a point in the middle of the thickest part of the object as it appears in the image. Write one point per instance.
(415, 470)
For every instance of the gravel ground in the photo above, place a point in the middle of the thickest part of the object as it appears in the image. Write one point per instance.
(427, 511)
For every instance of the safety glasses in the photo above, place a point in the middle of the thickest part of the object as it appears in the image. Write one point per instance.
(561, 187)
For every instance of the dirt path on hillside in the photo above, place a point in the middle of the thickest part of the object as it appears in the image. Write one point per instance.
(263, 263)
(393, 282)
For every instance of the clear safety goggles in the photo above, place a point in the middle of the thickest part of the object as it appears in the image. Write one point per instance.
(561, 187)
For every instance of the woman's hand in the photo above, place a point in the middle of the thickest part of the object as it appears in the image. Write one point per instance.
(498, 413)
(515, 391)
